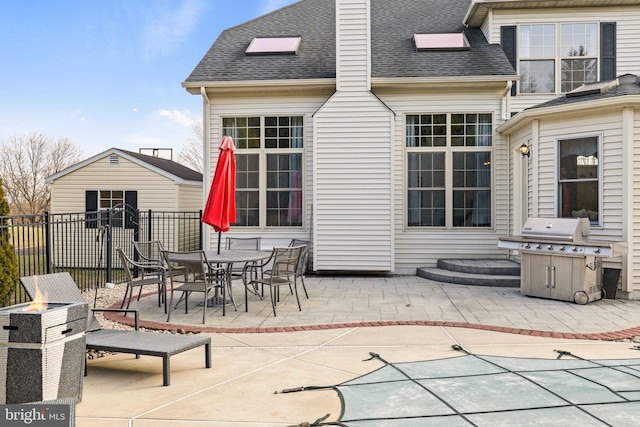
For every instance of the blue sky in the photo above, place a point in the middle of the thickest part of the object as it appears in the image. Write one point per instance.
(108, 73)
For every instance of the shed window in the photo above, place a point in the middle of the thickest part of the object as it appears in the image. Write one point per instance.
(120, 205)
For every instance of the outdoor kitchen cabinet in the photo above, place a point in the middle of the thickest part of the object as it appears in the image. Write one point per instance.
(561, 278)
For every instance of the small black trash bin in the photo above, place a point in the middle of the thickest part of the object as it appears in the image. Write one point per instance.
(610, 277)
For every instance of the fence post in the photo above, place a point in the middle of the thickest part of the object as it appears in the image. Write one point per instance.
(109, 249)
(47, 241)
(150, 226)
(200, 230)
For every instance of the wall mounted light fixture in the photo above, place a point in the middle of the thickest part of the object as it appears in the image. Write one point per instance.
(525, 150)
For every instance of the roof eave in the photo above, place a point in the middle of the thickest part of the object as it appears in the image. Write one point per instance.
(571, 108)
(176, 179)
(194, 88)
(440, 82)
(479, 9)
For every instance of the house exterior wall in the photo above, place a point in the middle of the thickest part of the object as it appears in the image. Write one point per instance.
(353, 183)
(283, 103)
(619, 219)
(627, 30)
(631, 156)
(353, 48)
(422, 246)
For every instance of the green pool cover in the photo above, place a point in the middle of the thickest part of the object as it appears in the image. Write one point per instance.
(474, 390)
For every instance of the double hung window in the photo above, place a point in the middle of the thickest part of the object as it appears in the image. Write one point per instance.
(579, 178)
(449, 169)
(549, 51)
(120, 205)
(268, 169)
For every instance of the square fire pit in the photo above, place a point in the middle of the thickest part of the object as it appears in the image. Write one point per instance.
(42, 352)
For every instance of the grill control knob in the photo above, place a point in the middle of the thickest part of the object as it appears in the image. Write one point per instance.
(562, 248)
(596, 250)
(538, 246)
(550, 247)
(575, 249)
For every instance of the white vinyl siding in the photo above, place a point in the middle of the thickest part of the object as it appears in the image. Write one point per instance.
(155, 191)
(608, 126)
(422, 247)
(353, 46)
(258, 104)
(632, 163)
(627, 30)
(353, 201)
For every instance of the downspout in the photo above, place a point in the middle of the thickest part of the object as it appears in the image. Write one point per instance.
(506, 101)
(206, 153)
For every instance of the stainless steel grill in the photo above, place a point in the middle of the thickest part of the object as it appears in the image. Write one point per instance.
(559, 261)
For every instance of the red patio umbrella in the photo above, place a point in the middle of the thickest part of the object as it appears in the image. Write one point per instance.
(220, 210)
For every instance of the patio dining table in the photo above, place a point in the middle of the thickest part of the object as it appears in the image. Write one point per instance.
(230, 257)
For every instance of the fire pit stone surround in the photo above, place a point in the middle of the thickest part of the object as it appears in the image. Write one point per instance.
(42, 352)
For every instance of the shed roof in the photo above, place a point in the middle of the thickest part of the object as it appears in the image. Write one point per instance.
(393, 53)
(624, 85)
(625, 89)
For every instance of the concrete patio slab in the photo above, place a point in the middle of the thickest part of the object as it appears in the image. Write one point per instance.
(402, 318)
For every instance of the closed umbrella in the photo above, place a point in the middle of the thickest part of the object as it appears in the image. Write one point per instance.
(220, 210)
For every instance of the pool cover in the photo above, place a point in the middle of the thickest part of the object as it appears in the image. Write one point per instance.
(474, 390)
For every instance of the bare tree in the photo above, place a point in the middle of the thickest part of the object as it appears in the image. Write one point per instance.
(192, 151)
(26, 161)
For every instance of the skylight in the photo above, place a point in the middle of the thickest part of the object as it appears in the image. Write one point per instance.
(274, 46)
(441, 41)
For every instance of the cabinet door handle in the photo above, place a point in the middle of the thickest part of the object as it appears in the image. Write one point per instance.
(547, 276)
(553, 276)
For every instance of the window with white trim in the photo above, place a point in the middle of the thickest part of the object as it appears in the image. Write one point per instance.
(449, 169)
(120, 205)
(579, 178)
(268, 169)
(550, 55)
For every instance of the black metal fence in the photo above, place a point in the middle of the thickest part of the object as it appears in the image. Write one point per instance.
(84, 243)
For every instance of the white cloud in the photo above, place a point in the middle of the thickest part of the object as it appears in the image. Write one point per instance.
(183, 118)
(79, 116)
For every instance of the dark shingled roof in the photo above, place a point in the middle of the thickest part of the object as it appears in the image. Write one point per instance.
(628, 85)
(169, 166)
(393, 24)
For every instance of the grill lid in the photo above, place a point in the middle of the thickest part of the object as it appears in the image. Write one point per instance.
(564, 229)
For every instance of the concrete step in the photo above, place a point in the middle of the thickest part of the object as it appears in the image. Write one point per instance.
(476, 272)
(494, 267)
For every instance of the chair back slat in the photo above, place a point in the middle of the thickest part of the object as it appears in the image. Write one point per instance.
(239, 243)
(285, 260)
(150, 250)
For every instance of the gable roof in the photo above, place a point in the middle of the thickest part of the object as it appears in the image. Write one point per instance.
(174, 171)
(393, 53)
